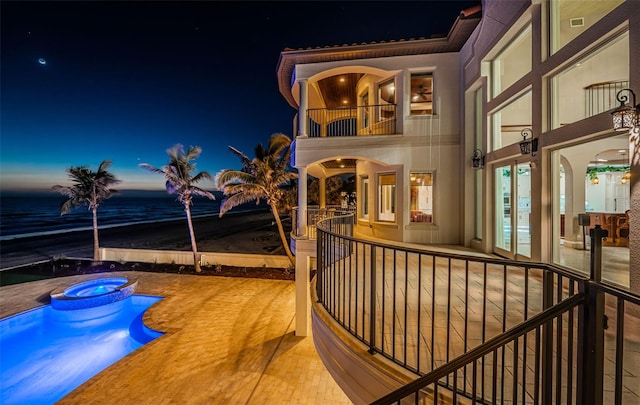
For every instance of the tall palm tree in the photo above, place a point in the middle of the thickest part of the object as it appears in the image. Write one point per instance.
(260, 178)
(181, 181)
(89, 188)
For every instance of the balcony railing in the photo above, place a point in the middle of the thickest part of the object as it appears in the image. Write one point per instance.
(480, 330)
(601, 97)
(352, 121)
(315, 214)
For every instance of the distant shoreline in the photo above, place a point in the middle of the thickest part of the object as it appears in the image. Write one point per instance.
(241, 232)
(108, 226)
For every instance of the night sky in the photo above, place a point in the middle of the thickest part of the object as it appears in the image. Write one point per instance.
(82, 82)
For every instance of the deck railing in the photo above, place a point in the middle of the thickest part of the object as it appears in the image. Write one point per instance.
(479, 330)
(601, 97)
(352, 121)
(315, 214)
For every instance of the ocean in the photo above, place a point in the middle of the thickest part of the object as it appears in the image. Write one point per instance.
(34, 214)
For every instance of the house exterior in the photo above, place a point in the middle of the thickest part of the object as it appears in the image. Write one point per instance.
(430, 131)
(498, 137)
(552, 70)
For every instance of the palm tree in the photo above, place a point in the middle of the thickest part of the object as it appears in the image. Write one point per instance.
(89, 188)
(181, 181)
(260, 178)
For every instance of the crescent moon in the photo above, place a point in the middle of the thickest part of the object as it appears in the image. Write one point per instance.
(42, 61)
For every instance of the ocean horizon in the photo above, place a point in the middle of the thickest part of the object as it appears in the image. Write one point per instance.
(29, 214)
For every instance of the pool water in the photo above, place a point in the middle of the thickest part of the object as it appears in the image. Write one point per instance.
(46, 353)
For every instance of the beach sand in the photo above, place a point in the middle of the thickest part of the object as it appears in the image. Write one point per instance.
(251, 233)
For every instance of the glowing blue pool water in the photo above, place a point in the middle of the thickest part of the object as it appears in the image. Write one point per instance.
(46, 353)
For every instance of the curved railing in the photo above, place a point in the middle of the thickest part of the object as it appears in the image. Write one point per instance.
(601, 97)
(352, 120)
(510, 330)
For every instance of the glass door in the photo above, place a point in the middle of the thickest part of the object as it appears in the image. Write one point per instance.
(502, 215)
(523, 210)
(512, 215)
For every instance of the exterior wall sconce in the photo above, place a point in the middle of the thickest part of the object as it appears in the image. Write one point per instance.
(477, 161)
(626, 117)
(528, 146)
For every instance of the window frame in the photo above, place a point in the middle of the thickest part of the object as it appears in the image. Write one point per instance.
(416, 213)
(387, 198)
(416, 76)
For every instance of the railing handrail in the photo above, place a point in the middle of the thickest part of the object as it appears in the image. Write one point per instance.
(569, 273)
(348, 107)
(356, 296)
(602, 84)
(482, 350)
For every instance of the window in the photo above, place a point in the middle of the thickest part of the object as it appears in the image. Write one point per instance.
(513, 62)
(421, 197)
(588, 87)
(570, 18)
(387, 197)
(387, 99)
(364, 110)
(508, 122)
(365, 197)
(421, 93)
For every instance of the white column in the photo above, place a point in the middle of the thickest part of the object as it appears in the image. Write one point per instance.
(303, 297)
(302, 201)
(322, 182)
(302, 110)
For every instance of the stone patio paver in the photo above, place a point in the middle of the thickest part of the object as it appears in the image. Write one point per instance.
(228, 340)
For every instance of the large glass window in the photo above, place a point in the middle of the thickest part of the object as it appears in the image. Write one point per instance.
(479, 207)
(512, 63)
(508, 123)
(591, 187)
(387, 197)
(421, 93)
(589, 87)
(364, 184)
(570, 18)
(421, 197)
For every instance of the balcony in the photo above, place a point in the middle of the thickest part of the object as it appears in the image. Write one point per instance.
(601, 97)
(471, 329)
(377, 119)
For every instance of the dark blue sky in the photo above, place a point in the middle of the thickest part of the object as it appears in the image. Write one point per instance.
(124, 81)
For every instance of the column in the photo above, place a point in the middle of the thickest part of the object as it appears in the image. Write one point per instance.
(302, 201)
(322, 190)
(302, 109)
(303, 252)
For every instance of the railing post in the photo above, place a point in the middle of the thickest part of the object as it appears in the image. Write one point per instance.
(547, 340)
(372, 302)
(591, 329)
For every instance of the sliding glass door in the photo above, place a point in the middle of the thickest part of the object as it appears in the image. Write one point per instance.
(512, 194)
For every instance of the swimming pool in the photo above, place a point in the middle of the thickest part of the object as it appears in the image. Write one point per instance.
(46, 353)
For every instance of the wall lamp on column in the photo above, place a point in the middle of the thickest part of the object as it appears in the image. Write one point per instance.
(528, 145)
(626, 117)
(477, 161)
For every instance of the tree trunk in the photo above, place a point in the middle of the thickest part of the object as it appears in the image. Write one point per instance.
(192, 235)
(96, 243)
(274, 211)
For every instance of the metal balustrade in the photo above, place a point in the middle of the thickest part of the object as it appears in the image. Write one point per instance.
(480, 330)
(352, 121)
(601, 97)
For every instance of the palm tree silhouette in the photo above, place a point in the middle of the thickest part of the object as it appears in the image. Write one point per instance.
(181, 181)
(89, 188)
(260, 178)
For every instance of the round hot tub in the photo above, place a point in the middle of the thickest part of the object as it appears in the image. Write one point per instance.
(93, 293)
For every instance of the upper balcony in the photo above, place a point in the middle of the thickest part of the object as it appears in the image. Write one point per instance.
(377, 119)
